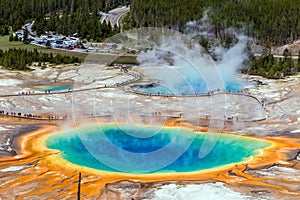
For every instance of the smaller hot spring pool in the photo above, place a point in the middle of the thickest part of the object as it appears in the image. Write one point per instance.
(53, 87)
(149, 149)
(184, 89)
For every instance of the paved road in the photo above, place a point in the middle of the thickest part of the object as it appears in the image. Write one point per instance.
(114, 15)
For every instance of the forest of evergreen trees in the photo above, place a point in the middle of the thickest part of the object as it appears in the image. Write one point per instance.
(22, 59)
(271, 67)
(273, 22)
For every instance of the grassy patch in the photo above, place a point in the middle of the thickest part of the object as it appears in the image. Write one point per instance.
(111, 59)
(5, 44)
(126, 60)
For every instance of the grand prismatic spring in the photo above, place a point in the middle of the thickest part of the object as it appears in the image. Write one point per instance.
(89, 145)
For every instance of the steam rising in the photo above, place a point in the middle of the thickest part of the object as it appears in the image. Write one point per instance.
(184, 67)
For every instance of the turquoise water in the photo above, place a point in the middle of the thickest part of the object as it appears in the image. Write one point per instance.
(187, 89)
(54, 87)
(120, 148)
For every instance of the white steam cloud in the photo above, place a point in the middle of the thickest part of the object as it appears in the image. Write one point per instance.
(184, 67)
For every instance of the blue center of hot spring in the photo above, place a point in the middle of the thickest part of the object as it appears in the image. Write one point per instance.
(86, 146)
(191, 82)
